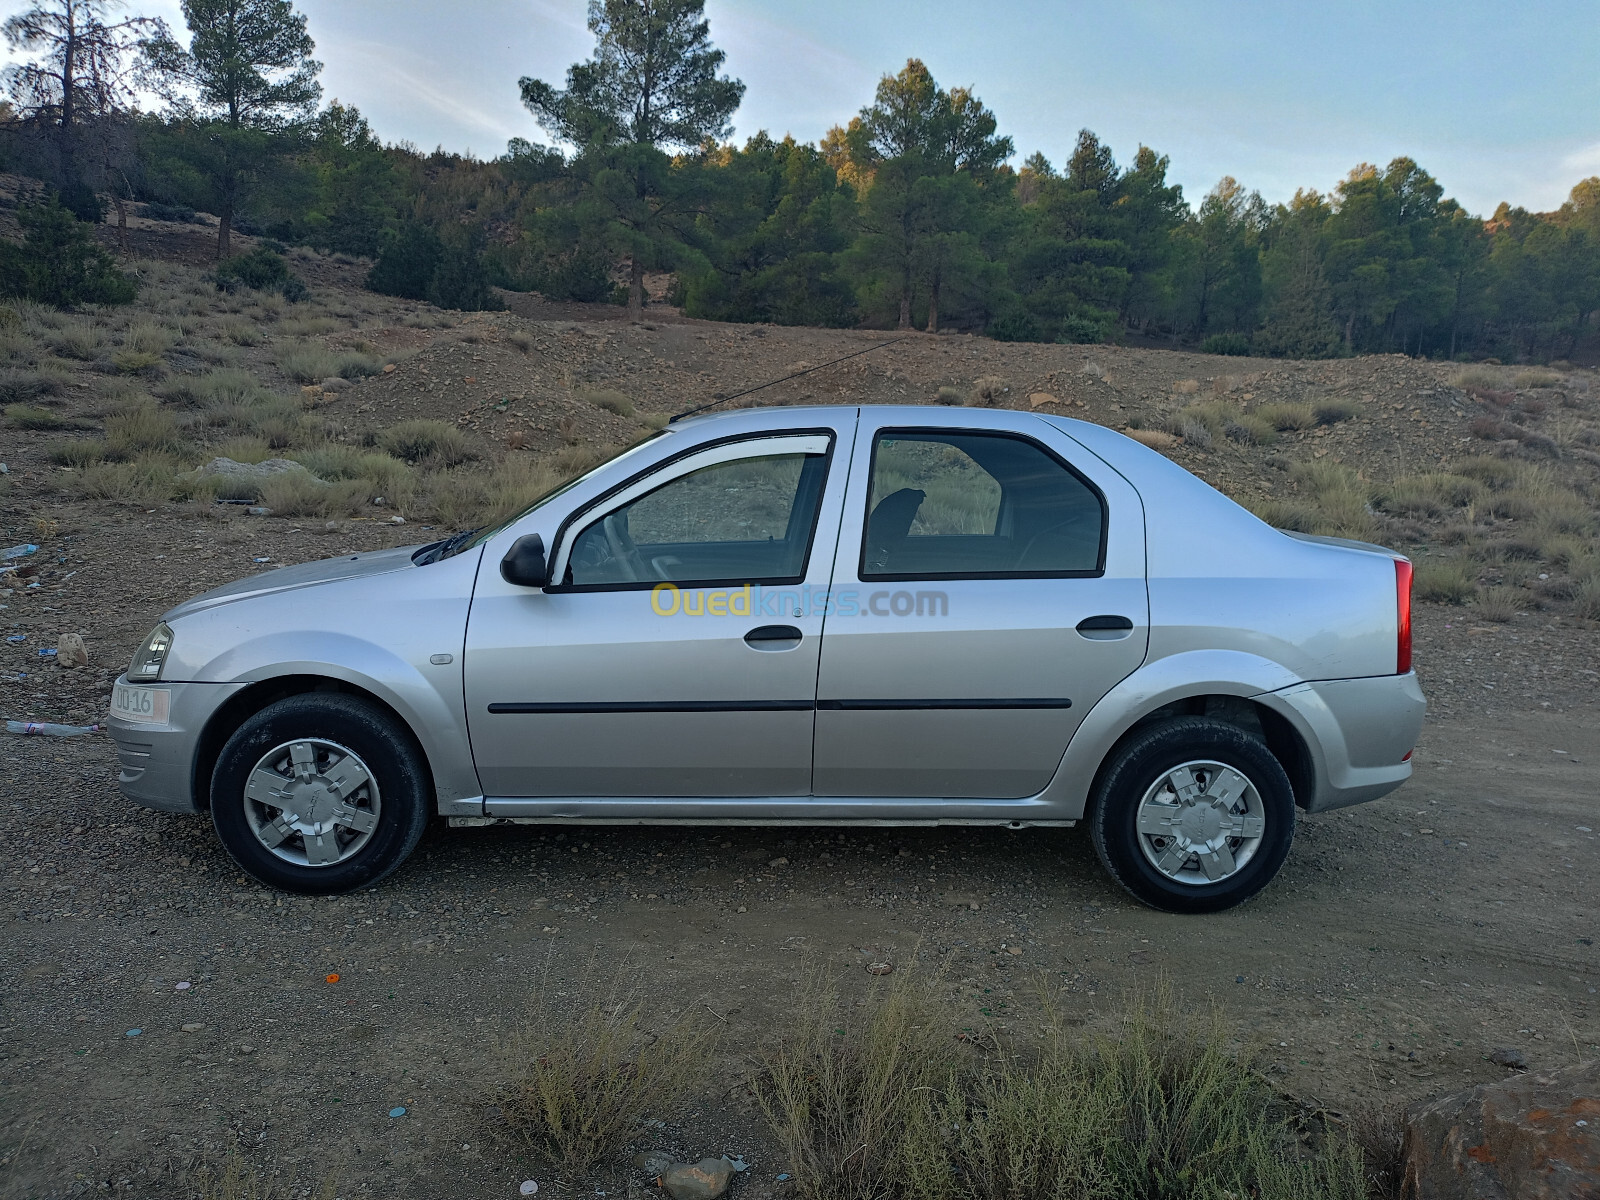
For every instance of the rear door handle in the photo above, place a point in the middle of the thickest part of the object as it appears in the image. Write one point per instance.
(1105, 628)
(773, 637)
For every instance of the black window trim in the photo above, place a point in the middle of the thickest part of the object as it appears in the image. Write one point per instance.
(909, 576)
(698, 584)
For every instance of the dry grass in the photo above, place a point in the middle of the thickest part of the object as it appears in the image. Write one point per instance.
(581, 1074)
(464, 500)
(889, 1107)
(950, 395)
(988, 391)
(307, 362)
(1482, 377)
(1535, 379)
(143, 483)
(1499, 604)
(301, 494)
(1331, 412)
(238, 1179)
(140, 429)
(1429, 495)
(1449, 581)
(432, 442)
(1288, 416)
(609, 399)
(21, 386)
(31, 416)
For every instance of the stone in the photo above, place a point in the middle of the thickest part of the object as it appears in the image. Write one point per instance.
(1505, 1057)
(704, 1180)
(71, 652)
(238, 470)
(653, 1162)
(388, 368)
(1040, 399)
(334, 383)
(1534, 1136)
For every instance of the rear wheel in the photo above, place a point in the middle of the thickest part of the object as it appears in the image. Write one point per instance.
(319, 794)
(1192, 815)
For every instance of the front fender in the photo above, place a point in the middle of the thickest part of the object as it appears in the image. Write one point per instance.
(1175, 677)
(427, 697)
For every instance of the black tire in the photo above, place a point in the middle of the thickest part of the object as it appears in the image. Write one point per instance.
(392, 757)
(1139, 764)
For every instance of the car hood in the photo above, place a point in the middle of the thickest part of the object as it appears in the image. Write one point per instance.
(283, 579)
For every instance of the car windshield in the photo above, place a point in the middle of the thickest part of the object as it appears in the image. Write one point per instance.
(475, 538)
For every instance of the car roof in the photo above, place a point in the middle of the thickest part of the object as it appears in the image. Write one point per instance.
(933, 414)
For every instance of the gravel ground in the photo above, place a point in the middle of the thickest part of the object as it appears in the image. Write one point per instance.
(1404, 942)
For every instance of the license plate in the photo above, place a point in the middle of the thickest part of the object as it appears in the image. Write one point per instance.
(141, 703)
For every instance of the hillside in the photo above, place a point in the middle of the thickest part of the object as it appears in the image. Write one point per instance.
(1488, 475)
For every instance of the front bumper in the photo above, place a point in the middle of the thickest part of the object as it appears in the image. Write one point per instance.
(1361, 733)
(155, 760)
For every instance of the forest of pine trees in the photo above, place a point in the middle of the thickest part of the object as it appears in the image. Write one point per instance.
(914, 213)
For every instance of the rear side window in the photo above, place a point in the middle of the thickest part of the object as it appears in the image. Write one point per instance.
(947, 504)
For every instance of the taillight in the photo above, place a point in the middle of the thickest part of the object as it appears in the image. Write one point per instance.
(1402, 592)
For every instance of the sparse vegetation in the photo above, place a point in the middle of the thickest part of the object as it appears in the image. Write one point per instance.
(1449, 581)
(1289, 416)
(893, 1106)
(609, 399)
(422, 441)
(31, 416)
(584, 1070)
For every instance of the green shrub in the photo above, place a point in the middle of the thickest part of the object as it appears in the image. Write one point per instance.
(262, 269)
(1017, 325)
(301, 494)
(1237, 344)
(407, 263)
(422, 440)
(59, 263)
(30, 416)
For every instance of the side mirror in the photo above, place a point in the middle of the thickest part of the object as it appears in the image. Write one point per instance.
(524, 564)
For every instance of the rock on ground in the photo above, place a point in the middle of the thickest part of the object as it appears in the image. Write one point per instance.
(1534, 1136)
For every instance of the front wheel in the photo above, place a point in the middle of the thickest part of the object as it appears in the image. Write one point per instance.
(1192, 816)
(320, 794)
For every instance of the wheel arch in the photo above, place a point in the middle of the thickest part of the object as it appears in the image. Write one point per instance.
(1232, 686)
(1285, 742)
(244, 704)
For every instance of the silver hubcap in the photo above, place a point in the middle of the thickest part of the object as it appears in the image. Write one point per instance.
(312, 802)
(1201, 823)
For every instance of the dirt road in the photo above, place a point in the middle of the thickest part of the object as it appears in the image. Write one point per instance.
(1404, 942)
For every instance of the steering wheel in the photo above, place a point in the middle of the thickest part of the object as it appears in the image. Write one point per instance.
(1074, 520)
(623, 550)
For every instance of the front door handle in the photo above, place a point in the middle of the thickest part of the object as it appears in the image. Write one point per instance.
(773, 637)
(1105, 628)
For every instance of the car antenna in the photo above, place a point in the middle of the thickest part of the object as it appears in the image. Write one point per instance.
(785, 379)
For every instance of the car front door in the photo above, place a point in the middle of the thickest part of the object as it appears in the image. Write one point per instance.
(990, 589)
(675, 654)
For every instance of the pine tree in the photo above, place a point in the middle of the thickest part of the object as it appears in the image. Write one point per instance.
(652, 83)
(246, 75)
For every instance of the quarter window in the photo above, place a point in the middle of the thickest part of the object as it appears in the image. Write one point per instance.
(739, 521)
(946, 504)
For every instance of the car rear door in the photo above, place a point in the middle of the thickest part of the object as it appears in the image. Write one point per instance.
(676, 654)
(989, 590)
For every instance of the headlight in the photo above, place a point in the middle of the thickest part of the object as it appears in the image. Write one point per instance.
(152, 656)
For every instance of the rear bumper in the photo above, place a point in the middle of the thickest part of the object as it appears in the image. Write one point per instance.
(1361, 733)
(155, 761)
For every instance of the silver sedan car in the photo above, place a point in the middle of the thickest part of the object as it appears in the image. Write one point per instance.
(802, 616)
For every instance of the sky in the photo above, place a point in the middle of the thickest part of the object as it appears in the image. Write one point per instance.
(1497, 101)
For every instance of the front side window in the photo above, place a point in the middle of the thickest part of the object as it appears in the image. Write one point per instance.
(948, 504)
(743, 520)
